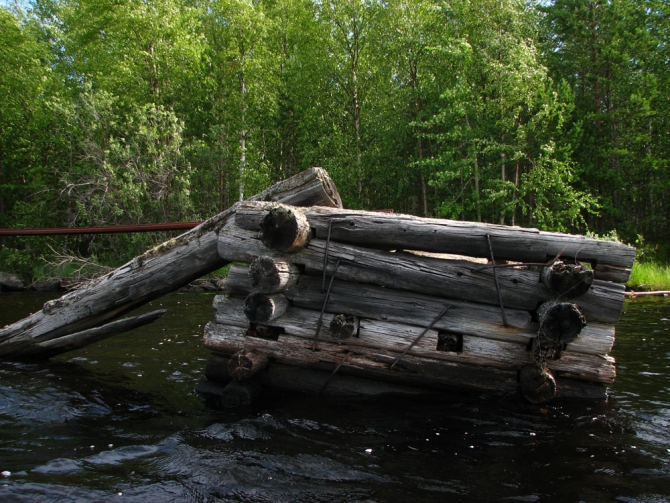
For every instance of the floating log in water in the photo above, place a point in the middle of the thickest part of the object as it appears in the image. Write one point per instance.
(158, 271)
(395, 231)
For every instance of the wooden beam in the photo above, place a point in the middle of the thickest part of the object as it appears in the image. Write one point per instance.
(396, 231)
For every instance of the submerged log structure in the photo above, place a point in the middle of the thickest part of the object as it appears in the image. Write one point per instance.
(340, 299)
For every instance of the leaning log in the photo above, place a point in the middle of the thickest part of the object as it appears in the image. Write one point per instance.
(79, 340)
(158, 271)
(394, 231)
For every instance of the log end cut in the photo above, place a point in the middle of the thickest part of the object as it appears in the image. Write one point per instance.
(285, 229)
(537, 385)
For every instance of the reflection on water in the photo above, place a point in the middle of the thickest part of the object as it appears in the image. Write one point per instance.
(119, 421)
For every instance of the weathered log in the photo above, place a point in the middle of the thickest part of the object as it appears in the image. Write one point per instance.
(244, 365)
(408, 308)
(537, 385)
(455, 279)
(395, 231)
(365, 362)
(262, 308)
(78, 340)
(560, 323)
(284, 229)
(270, 275)
(394, 338)
(567, 281)
(312, 382)
(374, 364)
(158, 271)
(386, 304)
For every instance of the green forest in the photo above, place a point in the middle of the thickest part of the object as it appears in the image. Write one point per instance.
(551, 114)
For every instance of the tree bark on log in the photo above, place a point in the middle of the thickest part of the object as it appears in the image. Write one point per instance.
(454, 279)
(158, 271)
(378, 230)
(270, 275)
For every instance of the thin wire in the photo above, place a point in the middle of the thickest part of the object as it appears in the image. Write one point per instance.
(418, 337)
(325, 301)
(495, 277)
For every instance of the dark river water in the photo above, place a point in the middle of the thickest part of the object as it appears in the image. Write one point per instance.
(120, 421)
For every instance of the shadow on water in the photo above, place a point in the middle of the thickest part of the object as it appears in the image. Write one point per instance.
(119, 421)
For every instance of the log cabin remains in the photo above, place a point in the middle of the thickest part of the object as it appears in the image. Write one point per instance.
(326, 300)
(336, 301)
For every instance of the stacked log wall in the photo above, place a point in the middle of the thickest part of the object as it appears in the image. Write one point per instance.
(391, 299)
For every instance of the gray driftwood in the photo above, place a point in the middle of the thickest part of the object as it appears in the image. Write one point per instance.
(158, 271)
(392, 231)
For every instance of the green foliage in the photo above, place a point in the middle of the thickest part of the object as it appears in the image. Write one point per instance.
(649, 276)
(552, 114)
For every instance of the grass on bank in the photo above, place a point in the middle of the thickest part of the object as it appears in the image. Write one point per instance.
(649, 276)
